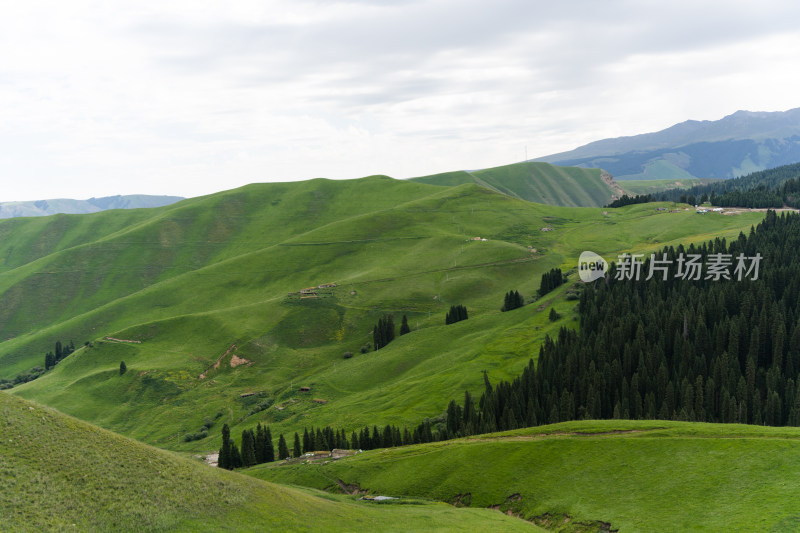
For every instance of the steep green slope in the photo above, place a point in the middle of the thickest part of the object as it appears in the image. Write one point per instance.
(411, 258)
(639, 476)
(59, 474)
(538, 182)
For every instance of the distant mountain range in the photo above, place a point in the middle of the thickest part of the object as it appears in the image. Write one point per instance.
(735, 145)
(40, 208)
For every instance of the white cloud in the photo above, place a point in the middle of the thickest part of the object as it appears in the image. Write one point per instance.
(194, 97)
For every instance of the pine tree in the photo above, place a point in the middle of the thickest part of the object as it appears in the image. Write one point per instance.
(49, 361)
(297, 450)
(260, 444)
(248, 448)
(122, 368)
(404, 326)
(236, 457)
(283, 450)
(269, 449)
(225, 460)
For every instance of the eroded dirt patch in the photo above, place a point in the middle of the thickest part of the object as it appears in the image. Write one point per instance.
(560, 522)
(350, 488)
(462, 500)
(236, 361)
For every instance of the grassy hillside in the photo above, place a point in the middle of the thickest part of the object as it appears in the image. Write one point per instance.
(60, 474)
(198, 278)
(637, 476)
(537, 182)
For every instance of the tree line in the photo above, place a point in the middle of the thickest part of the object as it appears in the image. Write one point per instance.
(256, 446)
(631, 200)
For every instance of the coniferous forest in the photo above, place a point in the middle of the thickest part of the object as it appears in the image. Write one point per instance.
(705, 350)
(774, 187)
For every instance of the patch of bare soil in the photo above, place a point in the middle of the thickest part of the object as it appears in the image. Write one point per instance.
(236, 361)
(350, 488)
(565, 523)
(462, 500)
(112, 339)
(560, 522)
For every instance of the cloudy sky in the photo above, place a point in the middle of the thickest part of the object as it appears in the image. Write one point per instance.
(189, 98)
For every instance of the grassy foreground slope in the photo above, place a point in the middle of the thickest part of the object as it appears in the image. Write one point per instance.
(216, 299)
(537, 182)
(60, 474)
(635, 475)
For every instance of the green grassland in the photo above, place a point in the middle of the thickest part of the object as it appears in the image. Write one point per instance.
(61, 474)
(654, 186)
(191, 280)
(536, 182)
(635, 475)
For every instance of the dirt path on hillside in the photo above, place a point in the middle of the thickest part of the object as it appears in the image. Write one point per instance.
(219, 361)
(540, 436)
(739, 210)
(608, 179)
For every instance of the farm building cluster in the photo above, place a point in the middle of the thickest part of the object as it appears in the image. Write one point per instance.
(313, 292)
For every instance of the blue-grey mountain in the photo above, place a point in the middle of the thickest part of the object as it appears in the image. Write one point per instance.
(40, 208)
(735, 145)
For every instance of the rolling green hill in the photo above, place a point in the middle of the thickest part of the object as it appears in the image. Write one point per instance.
(60, 474)
(635, 476)
(538, 182)
(207, 279)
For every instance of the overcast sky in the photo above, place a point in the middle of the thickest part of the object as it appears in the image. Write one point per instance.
(189, 98)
